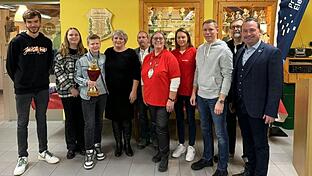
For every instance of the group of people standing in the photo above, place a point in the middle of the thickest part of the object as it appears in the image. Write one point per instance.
(155, 80)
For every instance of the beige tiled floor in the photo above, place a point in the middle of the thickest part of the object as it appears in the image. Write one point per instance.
(139, 165)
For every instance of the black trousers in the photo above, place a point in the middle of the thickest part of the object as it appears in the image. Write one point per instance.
(93, 110)
(122, 128)
(161, 118)
(254, 133)
(147, 128)
(231, 129)
(184, 101)
(74, 123)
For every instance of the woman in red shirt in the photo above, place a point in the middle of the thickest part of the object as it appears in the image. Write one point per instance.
(160, 82)
(185, 54)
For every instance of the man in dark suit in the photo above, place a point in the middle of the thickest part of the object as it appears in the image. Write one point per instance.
(234, 44)
(147, 131)
(257, 85)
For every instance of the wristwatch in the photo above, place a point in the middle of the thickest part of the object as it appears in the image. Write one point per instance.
(221, 101)
(171, 99)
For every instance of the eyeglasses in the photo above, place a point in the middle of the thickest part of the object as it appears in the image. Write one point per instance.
(158, 38)
(236, 26)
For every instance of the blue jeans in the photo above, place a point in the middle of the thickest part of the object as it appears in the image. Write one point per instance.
(206, 110)
(190, 114)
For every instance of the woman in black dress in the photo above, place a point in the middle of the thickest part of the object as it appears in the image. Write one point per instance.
(122, 77)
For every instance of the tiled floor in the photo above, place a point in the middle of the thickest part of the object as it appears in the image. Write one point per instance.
(138, 165)
(1, 105)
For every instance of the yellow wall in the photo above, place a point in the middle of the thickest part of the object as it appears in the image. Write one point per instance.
(125, 17)
(304, 32)
(208, 7)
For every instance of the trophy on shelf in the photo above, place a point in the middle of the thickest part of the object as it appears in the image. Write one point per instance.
(159, 18)
(255, 15)
(225, 19)
(170, 10)
(182, 13)
(232, 16)
(262, 17)
(238, 15)
(169, 23)
(93, 72)
(150, 15)
(246, 13)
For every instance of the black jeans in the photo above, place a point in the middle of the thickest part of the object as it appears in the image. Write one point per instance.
(74, 132)
(184, 101)
(147, 128)
(23, 102)
(161, 117)
(231, 129)
(93, 110)
(254, 134)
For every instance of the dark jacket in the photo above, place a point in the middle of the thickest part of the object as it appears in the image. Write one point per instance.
(137, 51)
(262, 81)
(28, 62)
(231, 45)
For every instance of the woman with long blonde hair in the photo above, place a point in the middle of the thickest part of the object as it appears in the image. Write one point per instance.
(71, 50)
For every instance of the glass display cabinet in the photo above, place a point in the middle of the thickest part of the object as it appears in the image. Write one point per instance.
(159, 15)
(263, 11)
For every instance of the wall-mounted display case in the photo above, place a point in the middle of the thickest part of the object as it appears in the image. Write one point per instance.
(263, 11)
(159, 15)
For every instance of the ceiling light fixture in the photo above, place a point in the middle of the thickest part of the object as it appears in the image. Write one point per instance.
(22, 9)
(19, 13)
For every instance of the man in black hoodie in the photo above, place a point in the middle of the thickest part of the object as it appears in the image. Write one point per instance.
(28, 62)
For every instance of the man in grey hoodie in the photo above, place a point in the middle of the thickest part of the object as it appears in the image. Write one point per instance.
(212, 82)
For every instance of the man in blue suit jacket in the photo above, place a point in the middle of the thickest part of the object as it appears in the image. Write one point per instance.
(257, 87)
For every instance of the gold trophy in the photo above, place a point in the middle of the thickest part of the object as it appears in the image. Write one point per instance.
(93, 72)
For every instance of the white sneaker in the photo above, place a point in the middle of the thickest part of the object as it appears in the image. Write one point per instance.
(98, 151)
(89, 159)
(179, 151)
(21, 165)
(48, 157)
(190, 153)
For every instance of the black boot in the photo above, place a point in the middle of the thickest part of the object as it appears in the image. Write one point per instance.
(247, 171)
(128, 149)
(117, 130)
(157, 157)
(127, 137)
(163, 165)
(118, 150)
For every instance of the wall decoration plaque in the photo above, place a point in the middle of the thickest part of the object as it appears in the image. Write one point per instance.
(100, 23)
(49, 29)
